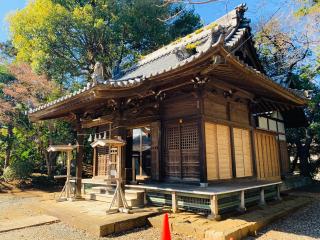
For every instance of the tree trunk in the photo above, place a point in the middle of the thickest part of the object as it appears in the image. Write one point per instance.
(9, 146)
(305, 168)
(303, 153)
(49, 159)
(48, 164)
(294, 163)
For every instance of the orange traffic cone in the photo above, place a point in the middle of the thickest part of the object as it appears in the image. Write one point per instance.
(165, 228)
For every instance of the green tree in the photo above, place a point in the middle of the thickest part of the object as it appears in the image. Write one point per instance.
(64, 39)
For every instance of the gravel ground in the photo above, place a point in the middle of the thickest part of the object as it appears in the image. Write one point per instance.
(301, 225)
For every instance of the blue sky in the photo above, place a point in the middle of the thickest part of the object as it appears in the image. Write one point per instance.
(208, 12)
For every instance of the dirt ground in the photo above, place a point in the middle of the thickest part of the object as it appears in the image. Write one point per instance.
(14, 204)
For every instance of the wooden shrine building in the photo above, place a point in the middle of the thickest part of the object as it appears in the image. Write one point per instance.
(204, 103)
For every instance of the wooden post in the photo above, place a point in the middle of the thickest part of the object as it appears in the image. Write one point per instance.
(145, 200)
(128, 152)
(214, 208)
(94, 162)
(252, 139)
(278, 197)
(202, 139)
(134, 181)
(262, 198)
(242, 206)
(174, 202)
(140, 156)
(79, 158)
(68, 186)
(202, 153)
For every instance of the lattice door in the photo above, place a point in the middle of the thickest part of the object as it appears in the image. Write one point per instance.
(190, 151)
(172, 153)
(182, 152)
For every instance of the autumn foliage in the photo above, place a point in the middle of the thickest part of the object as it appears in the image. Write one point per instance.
(26, 89)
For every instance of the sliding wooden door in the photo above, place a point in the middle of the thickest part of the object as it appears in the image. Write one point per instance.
(218, 151)
(242, 152)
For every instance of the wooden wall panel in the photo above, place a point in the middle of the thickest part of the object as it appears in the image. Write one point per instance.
(239, 113)
(180, 107)
(218, 151)
(224, 152)
(215, 107)
(242, 149)
(211, 151)
(267, 155)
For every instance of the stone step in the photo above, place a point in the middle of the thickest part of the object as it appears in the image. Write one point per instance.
(128, 192)
(131, 200)
(139, 194)
(101, 190)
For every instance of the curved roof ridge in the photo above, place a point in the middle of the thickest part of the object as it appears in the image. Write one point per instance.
(230, 20)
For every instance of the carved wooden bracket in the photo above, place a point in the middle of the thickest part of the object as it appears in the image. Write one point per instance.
(199, 81)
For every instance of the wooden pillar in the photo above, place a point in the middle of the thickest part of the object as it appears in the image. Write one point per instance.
(145, 200)
(242, 206)
(202, 151)
(79, 157)
(134, 180)
(174, 202)
(202, 140)
(69, 157)
(94, 162)
(155, 150)
(253, 146)
(278, 196)
(129, 163)
(122, 132)
(214, 208)
(233, 158)
(262, 198)
(140, 154)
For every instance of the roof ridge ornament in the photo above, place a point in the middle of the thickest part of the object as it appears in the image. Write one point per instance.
(241, 9)
(99, 73)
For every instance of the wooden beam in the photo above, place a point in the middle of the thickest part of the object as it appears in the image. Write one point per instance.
(96, 122)
(80, 156)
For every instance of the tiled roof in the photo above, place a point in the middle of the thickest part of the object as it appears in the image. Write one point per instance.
(173, 55)
(231, 26)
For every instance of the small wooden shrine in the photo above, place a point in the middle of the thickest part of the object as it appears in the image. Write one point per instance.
(211, 112)
(67, 193)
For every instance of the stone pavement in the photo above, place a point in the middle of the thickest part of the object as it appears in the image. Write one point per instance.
(91, 216)
(20, 223)
(235, 227)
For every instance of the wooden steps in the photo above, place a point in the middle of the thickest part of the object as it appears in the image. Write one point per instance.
(135, 198)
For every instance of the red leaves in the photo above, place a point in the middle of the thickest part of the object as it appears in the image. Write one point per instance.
(27, 89)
